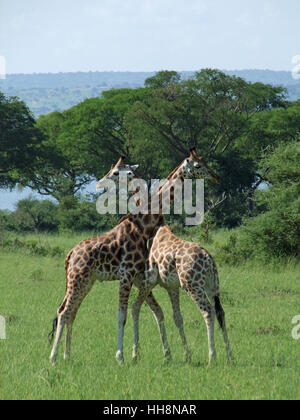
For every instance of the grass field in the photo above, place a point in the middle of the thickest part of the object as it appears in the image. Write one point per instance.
(259, 301)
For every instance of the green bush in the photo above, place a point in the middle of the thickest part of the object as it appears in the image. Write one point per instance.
(32, 215)
(81, 215)
(72, 214)
(30, 246)
(276, 232)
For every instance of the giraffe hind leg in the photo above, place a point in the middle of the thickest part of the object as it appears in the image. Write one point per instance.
(178, 320)
(66, 315)
(59, 331)
(55, 321)
(208, 313)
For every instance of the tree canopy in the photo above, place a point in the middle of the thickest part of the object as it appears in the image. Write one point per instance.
(20, 141)
(230, 121)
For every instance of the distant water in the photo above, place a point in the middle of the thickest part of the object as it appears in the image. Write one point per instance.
(9, 199)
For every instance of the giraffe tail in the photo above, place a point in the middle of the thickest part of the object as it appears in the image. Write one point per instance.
(219, 311)
(55, 321)
(54, 326)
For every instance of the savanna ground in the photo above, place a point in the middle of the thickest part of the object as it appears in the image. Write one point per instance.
(259, 300)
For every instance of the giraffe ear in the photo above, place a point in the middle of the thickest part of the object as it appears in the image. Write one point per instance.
(134, 167)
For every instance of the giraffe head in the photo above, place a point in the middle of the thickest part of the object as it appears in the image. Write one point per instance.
(196, 167)
(114, 173)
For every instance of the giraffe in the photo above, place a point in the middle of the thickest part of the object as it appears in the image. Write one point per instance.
(119, 254)
(175, 263)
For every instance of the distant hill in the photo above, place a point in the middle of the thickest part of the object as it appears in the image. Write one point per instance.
(47, 92)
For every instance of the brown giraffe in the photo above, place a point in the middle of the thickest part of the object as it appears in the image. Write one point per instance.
(119, 254)
(175, 263)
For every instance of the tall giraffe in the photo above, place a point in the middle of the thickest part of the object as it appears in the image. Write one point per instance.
(119, 254)
(175, 263)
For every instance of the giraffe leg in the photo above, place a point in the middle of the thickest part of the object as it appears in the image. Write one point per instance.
(146, 294)
(144, 290)
(208, 313)
(68, 341)
(124, 292)
(177, 316)
(59, 331)
(67, 317)
(159, 317)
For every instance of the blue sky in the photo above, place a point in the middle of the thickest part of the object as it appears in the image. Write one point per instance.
(148, 35)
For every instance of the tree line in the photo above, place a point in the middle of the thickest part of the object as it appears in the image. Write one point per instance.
(238, 126)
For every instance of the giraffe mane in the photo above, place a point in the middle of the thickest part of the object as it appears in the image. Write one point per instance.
(127, 216)
(168, 177)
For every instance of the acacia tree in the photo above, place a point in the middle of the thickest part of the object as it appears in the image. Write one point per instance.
(56, 173)
(211, 111)
(98, 127)
(156, 126)
(20, 141)
(82, 142)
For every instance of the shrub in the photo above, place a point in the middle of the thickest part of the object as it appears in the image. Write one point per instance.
(33, 215)
(275, 233)
(81, 215)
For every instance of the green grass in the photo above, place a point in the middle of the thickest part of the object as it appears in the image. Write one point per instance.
(259, 301)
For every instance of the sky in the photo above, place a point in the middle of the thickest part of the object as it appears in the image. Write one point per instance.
(148, 35)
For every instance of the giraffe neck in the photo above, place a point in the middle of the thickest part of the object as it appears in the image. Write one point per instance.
(164, 195)
(167, 189)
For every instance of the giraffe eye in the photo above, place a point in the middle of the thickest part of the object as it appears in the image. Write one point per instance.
(116, 173)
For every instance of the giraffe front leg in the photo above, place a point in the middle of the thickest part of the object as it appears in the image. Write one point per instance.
(124, 292)
(136, 307)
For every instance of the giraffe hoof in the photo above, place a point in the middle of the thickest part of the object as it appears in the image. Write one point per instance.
(212, 363)
(135, 353)
(231, 361)
(52, 360)
(119, 357)
(188, 357)
(168, 356)
(134, 359)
